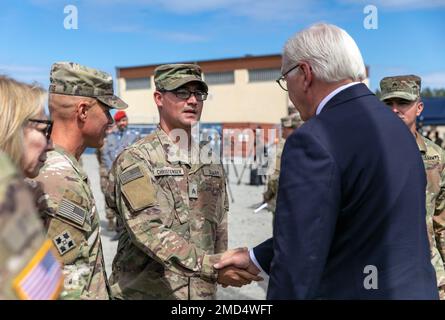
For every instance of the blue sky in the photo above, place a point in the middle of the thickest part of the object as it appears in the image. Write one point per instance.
(410, 37)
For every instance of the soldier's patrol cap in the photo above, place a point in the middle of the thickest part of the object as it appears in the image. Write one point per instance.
(76, 80)
(292, 121)
(172, 76)
(404, 87)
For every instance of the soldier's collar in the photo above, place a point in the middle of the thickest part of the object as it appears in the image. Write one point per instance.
(173, 152)
(74, 163)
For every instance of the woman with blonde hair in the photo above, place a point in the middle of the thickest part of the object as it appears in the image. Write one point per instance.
(24, 129)
(28, 268)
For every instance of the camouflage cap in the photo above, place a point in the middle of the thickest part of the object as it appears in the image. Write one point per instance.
(404, 87)
(292, 121)
(76, 80)
(172, 76)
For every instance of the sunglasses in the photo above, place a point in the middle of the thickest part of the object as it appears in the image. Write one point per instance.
(48, 129)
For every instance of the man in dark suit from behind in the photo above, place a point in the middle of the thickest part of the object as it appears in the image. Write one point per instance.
(350, 221)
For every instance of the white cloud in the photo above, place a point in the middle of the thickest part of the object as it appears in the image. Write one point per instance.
(434, 80)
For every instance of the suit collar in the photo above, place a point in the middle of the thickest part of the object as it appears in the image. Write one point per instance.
(350, 93)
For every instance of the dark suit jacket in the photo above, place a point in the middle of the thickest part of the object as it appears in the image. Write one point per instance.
(351, 195)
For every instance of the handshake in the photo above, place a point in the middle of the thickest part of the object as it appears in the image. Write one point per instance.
(236, 269)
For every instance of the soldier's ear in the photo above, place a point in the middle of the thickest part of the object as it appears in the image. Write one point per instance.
(82, 110)
(158, 98)
(419, 108)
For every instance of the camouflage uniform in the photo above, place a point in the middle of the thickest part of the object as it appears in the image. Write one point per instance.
(434, 160)
(408, 88)
(23, 246)
(71, 216)
(73, 226)
(270, 195)
(175, 215)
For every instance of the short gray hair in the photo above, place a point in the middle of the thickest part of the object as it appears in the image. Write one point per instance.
(330, 50)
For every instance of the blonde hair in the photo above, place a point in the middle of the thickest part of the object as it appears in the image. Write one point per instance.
(19, 102)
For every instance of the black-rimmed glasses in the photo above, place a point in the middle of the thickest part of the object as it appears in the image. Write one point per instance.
(48, 129)
(282, 80)
(185, 94)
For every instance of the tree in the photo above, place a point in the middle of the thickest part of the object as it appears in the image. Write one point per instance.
(428, 93)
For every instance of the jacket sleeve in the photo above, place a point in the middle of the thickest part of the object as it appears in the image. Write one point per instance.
(307, 207)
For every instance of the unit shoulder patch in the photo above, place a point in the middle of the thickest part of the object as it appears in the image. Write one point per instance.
(64, 242)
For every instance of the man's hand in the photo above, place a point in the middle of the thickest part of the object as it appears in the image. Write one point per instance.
(236, 268)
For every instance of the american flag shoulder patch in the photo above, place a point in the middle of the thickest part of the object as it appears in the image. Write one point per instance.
(72, 212)
(42, 278)
(131, 175)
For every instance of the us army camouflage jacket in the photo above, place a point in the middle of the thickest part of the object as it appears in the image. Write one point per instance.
(29, 269)
(434, 160)
(72, 222)
(175, 218)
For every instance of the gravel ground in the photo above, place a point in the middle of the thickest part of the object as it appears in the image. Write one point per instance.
(246, 228)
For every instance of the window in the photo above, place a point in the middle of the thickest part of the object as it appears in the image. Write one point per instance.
(219, 77)
(259, 75)
(137, 83)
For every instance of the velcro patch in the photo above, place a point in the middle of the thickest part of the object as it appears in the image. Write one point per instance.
(166, 171)
(72, 212)
(131, 175)
(64, 242)
(139, 191)
(212, 172)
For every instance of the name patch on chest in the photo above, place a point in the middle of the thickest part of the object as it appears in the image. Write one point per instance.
(212, 172)
(430, 157)
(168, 172)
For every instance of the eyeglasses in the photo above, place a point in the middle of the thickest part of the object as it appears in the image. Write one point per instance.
(282, 80)
(48, 129)
(185, 94)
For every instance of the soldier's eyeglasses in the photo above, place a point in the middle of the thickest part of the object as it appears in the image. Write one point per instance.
(185, 94)
(282, 80)
(47, 130)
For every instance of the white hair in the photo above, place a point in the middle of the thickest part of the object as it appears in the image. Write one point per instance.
(330, 50)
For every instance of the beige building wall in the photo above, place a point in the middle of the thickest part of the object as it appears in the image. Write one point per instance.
(141, 106)
(244, 101)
